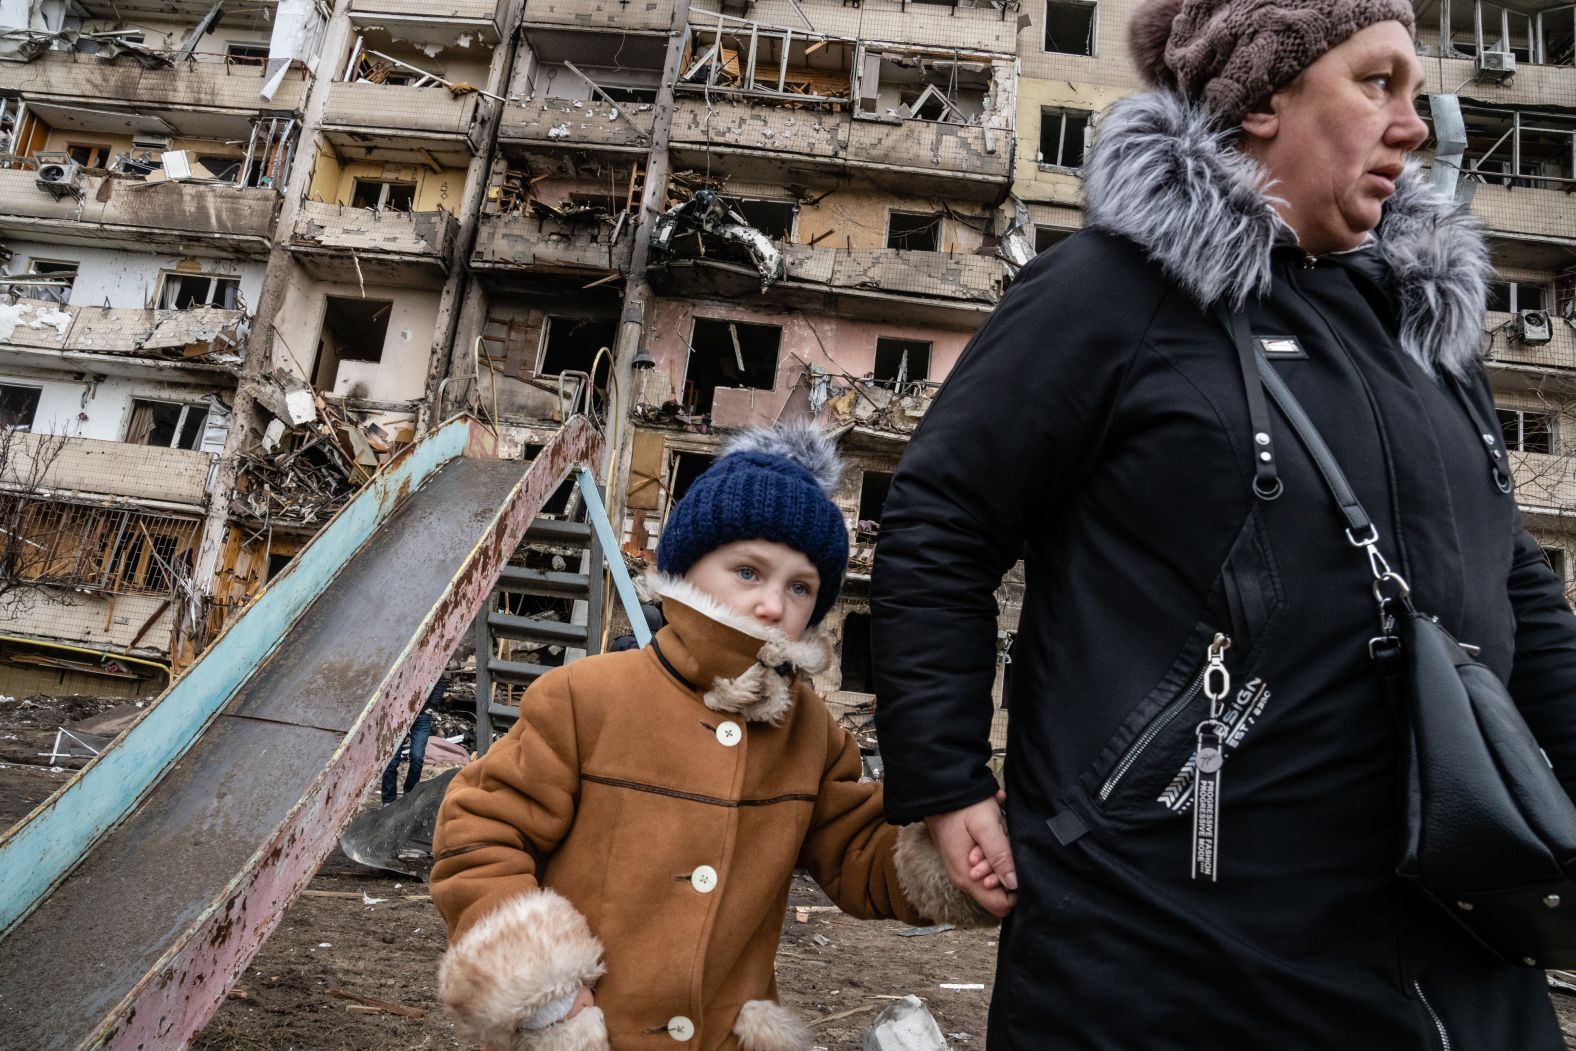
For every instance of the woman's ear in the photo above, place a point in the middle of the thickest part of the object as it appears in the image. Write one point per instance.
(1262, 122)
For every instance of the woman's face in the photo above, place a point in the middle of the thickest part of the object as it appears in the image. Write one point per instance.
(1335, 140)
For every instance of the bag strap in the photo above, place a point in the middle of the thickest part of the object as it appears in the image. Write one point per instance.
(1360, 529)
(1266, 481)
(1489, 432)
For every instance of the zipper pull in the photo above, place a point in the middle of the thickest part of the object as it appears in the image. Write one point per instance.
(1208, 758)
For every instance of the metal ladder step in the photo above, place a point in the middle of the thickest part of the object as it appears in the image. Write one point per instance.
(556, 531)
(530, 629)
(517, 673)
(543, 582)
(503, 711)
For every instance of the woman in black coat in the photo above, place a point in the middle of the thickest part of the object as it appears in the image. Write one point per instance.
(1099, 428)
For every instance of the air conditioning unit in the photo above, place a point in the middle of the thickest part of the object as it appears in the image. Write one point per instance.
(151, 140)
(1496, 66)
(1534, 327)
(59, 174)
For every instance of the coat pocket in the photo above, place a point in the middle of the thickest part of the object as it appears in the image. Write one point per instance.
(1251, 585)
(1157, 727)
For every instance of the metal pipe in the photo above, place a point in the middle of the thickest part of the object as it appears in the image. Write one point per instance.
(101, 654)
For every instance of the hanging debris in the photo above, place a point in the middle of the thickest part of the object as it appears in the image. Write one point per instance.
(706, 214)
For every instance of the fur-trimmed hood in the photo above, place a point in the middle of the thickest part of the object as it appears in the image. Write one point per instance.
(740, 666)
(1165, 175)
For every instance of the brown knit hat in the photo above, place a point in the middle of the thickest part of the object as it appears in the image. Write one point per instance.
(1234, 54)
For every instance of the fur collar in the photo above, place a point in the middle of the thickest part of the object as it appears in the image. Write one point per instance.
(1165, 175)
(763, 691)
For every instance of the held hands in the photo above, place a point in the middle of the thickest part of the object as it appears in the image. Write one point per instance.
(973, 846)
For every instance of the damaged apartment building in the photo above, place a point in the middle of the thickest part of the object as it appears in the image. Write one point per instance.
(253, 249)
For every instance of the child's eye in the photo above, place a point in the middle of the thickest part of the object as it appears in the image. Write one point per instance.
(800, 588)
(746, 573)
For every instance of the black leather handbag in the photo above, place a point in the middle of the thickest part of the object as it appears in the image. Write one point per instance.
(1487, 831)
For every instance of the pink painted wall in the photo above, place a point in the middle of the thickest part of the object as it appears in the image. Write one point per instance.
(839, 345)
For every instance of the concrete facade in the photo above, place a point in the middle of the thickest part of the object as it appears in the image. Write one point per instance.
(418, 209)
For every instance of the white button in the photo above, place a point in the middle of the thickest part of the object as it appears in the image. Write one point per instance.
(681, 1028)
(704, 879)
(730, 734)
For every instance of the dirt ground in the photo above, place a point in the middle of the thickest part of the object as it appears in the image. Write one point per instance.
(353, 964)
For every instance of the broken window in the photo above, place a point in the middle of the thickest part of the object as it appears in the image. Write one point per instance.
(88, 155)
(856, 654)
(1046, 236)
(58, 277)
(277, 563)
(900, 361)
(246, 54)
(1062, 137)
(914, 231)
(1517, 148)
(686, 467)
(1557, 37)
(384, 196)
(1513, 296)
(18, 406)
(572, 344)
(1555, 557)
(187, 291)
(775, 219)
(782, 64)
(222, 166)
(873, 488)
(729, 354)
(166, 424)
(353, 330)
(269, 152)
(919, 85)
(1069, 26)
(1527, 430)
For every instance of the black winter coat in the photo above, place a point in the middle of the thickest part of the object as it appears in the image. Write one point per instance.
(1098, 428)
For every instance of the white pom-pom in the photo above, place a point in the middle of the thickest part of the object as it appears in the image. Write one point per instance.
(802, 442)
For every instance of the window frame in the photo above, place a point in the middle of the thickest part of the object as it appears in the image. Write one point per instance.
(215, 282)
(936, 219)
(180, 422)
(1094, 28)
(1519, 442)
(38, 293)
(1062, 114)
(38, 396)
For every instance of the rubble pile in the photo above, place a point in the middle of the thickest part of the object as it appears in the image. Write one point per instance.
(313, 455)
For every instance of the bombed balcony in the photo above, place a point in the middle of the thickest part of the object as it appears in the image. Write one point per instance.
(555, 227)
(140, 188)
(115, 74)
(395, 222)
(1519, 50)
(462, 22)
(582, 91)
(631, 15)
(756, 100)
(814, 252)
(393, 95)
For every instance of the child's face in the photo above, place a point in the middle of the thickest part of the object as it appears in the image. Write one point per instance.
(765, 581)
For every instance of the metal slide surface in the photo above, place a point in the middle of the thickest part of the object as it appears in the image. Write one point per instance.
(138, 944)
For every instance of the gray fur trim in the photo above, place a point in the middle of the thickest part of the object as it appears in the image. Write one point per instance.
(801, 441)
(1165, 175)
(1442, 270)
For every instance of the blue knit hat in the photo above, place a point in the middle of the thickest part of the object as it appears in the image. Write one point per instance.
(771, 484)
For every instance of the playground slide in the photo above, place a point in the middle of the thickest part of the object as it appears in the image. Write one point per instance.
(134, 897)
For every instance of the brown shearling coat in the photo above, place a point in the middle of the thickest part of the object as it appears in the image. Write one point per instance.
(663, 798)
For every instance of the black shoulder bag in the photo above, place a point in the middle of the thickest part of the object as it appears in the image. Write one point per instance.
(1487, 830)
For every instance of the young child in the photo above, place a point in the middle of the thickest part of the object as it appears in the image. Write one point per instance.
(615, 871)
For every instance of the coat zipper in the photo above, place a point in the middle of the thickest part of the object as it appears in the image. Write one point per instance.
(1439, 1024)
(1166, 717)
